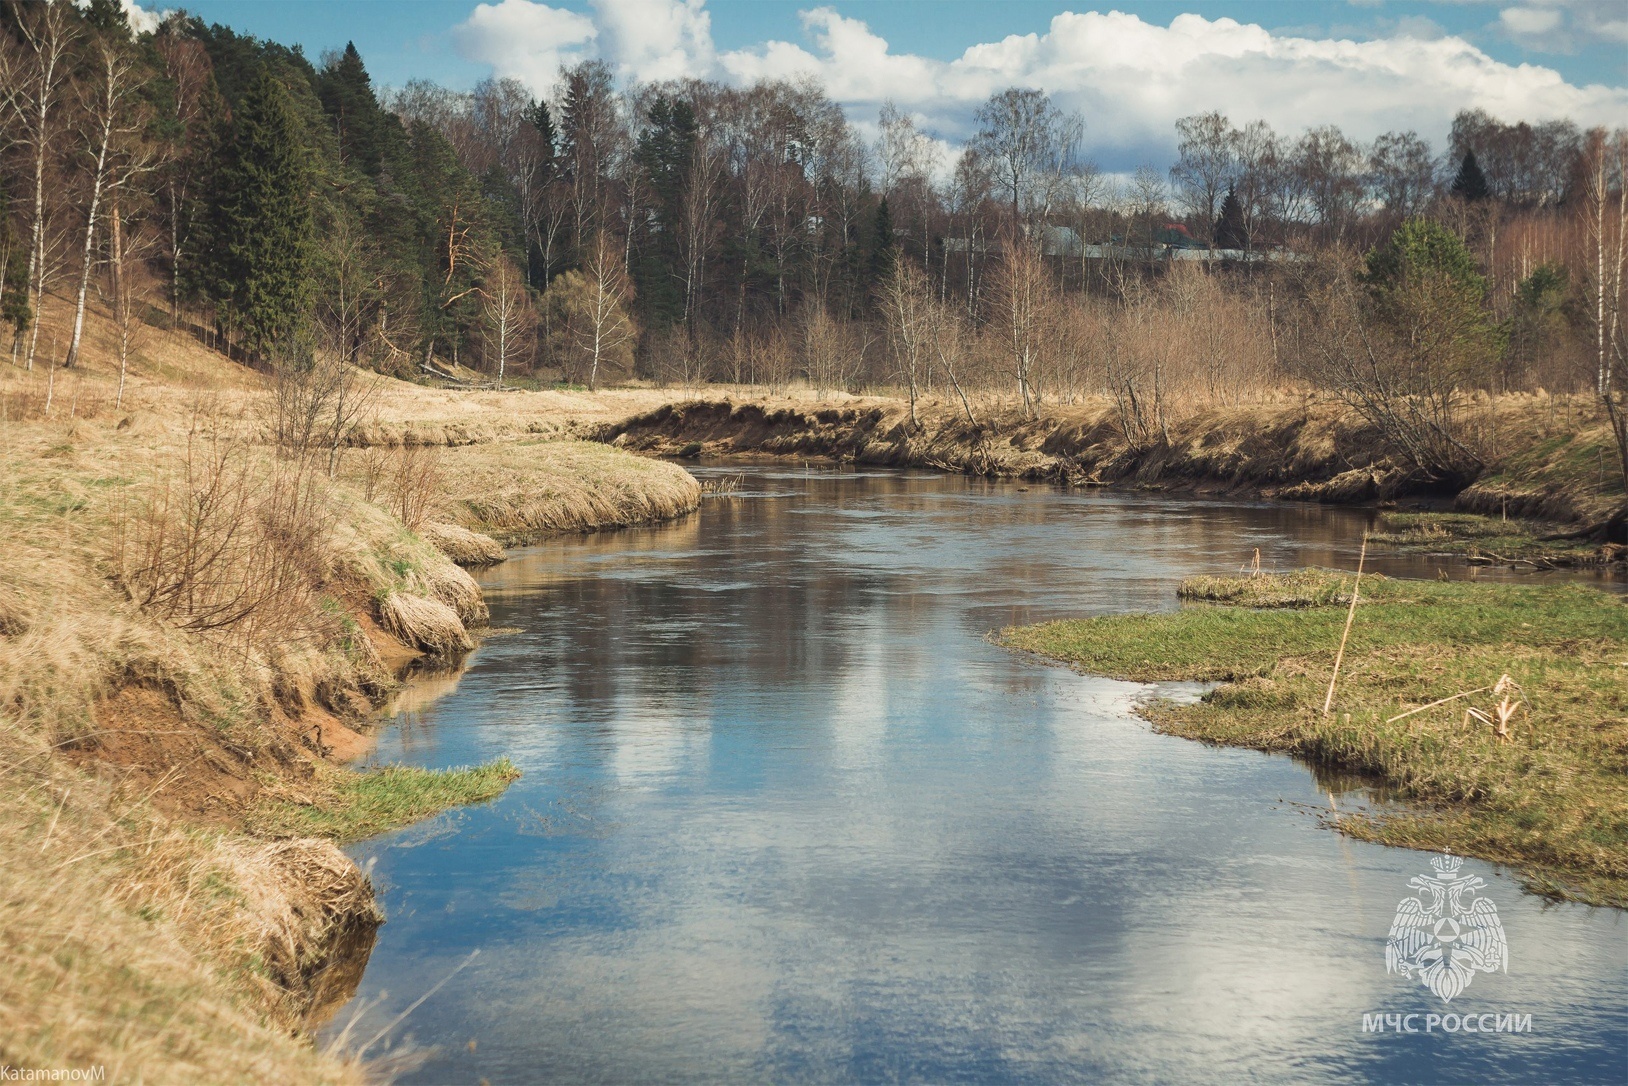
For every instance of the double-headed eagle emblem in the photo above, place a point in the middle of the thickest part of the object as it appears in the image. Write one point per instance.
(1447, 934)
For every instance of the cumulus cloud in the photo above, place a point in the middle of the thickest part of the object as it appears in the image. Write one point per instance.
(525, 41)
(651, 40)
(141, 20)
(1131, 79)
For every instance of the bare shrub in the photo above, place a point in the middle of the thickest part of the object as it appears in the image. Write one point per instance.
(415, 484)
(223, 547)
(1414, 381)
(376, 471)
(319, 402)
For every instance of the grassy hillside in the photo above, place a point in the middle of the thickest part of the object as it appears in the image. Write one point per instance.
(192, 629)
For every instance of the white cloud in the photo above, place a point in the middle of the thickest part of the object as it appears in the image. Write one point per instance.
(1131, 79)
(1524, 21)
(652, 40)
(525, 41)
(1563, 26)
(140, 19)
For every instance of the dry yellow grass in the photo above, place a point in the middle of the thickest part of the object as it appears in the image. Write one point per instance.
(522, 490)
(140, 928)
(161, 954)
(458, 543)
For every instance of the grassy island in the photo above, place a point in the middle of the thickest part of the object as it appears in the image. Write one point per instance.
(1428, 666)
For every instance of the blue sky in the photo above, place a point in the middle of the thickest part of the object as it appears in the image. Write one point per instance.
(403, 39)
(1130, 68)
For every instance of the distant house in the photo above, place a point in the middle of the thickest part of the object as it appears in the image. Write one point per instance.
(1174, 235)
(1171, 241)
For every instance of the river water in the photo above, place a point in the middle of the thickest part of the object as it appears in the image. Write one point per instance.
(787, 815)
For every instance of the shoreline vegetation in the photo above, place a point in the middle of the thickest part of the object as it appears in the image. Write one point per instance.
(196, 622)
(1497, 713)
(172, 734)
(1294, 448)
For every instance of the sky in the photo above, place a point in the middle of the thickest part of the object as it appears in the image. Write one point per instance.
(1129, 68)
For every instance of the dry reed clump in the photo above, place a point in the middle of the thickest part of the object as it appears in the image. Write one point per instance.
(527, 489)
(463, 546)
(385, 560)
(449, 584)
(426, 624)
(299, 898)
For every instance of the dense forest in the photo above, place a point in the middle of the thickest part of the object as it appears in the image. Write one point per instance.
(692, 231)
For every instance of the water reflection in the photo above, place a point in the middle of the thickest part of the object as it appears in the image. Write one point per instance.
(788, 816)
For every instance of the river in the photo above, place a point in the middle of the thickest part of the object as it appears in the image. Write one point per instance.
(787, 815)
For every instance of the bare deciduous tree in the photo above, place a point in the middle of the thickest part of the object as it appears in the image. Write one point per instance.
(510, 321)
(1206, 165)
(906, 301)
(1023, 296)
(1605, 210)
(1029, 143)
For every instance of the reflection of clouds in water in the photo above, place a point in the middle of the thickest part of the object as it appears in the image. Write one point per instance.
(788, 816)
(652, 746)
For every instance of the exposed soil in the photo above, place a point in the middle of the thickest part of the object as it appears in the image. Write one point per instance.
(182, 767)
(1298, 450)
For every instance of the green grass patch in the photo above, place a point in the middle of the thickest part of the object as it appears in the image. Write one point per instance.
(1550, 800)
(349, 806)
(1477, 536)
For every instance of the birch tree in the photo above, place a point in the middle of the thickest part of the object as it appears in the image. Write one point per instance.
(1605, 209)
(1023, 296)
(906, 303)
(113, 122)
(510, 322)
(47, 33)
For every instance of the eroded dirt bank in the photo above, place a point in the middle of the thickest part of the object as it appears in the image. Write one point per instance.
(1301, 449)
(194, 627)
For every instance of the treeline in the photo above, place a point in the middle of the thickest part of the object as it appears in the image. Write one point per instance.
(691, 231)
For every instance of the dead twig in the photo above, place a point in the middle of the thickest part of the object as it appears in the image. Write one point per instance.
(1350, 615)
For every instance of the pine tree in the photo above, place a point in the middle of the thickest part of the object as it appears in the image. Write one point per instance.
(1471, 183)
(1229, 225)
(260, 244)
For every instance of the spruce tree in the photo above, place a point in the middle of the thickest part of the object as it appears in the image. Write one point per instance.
(1229, 225)
(882, 253)
(1471, 183)
(543, 121)
(346, 92)
(260, 244)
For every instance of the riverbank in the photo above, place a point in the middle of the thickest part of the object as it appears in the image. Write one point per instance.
(1498, 713)
(193, 632)
(1297, 448)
